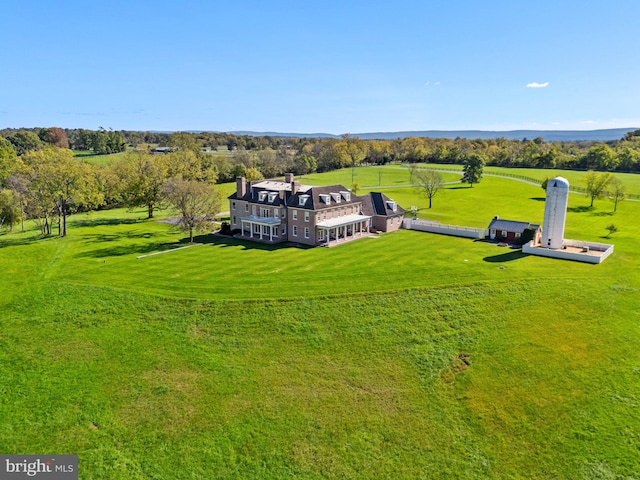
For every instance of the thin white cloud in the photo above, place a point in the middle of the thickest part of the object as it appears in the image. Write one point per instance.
(537, 85)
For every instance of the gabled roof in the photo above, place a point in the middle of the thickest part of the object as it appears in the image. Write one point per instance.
(511, 225)
(376, 203)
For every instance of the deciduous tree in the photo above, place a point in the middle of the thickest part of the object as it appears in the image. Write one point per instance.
(616, 192)
(596, 184)
(196, 201)
(429, 182)
(473, 168)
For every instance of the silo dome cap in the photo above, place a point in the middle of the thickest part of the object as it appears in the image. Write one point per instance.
(558, 182)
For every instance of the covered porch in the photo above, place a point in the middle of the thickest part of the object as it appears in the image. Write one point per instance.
(266, 229)
(343, 229)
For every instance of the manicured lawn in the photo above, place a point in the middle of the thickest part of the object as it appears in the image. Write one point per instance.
(409, 355)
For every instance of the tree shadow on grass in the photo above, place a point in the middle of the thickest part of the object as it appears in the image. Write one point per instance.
(537, 199)
(602, 214)
(104, 237)
(459, 188)
(75, 223)
(581, 209)
(120, 250)
(506, 257)
(10, 241)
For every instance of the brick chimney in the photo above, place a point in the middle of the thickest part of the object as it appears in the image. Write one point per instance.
(295, 186)
(288, 177)
(241, 187)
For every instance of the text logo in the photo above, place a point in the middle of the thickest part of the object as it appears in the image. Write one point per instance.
(45, 467)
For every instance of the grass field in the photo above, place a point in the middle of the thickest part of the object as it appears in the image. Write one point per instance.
(409, 355)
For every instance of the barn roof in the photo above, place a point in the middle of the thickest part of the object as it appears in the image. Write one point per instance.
(511, 225)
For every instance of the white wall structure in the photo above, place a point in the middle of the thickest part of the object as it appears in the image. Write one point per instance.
(555, 213)
(588, 252)
(435, 227)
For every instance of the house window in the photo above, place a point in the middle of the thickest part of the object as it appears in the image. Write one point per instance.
(284, 229)
(306, 216)
(295, 231)
(321, 235)
(246, 207)
(517, 235)
(233, 206)
(233, 220)
(262, 196)
(256, 228)
(275, 213)
(284, 213)
(294, 214)
(253, 210)
(504, 233)
(306, 232)
(265, 212)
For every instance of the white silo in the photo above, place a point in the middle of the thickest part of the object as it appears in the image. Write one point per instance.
(555, 213)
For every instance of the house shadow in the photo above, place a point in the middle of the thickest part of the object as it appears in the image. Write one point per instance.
(227, 241)
(537, 199)
(506, 257)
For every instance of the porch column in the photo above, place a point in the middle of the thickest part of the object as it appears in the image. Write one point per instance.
(271, 233)
(251, 228)
(261, 228)
(242, 226)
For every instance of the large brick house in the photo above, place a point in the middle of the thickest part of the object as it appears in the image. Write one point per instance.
(274, 211)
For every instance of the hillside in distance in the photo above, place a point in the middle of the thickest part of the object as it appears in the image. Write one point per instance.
(547, 135)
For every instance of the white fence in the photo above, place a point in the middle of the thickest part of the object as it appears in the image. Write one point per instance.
(591, 252)
(444, 229)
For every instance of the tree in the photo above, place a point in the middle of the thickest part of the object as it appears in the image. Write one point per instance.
(596, 184)
(544, 183)
(142, 179)
(55, 136)
(611, 228)
(252, 174)
(429, 182)
(355, 188)
(25, 141)
(9, 209)
(600, 157)
(473, 168)
(195, 200)
(59, 181)
(616, 192)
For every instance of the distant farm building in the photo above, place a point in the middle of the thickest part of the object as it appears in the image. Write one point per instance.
(512, 231)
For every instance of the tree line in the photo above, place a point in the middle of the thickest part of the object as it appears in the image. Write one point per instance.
(41, 179)
(50, 183)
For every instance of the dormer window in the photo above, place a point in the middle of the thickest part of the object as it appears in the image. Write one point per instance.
(336, 197)
(393, 206)
(324, 198)
(272, 196)
(346, 196)
(302, 200)
(262, 196)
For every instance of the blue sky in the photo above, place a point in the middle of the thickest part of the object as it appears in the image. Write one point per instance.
(322, 66)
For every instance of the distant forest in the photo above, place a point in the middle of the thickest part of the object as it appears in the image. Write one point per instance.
(272, 156)
(45, 175)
